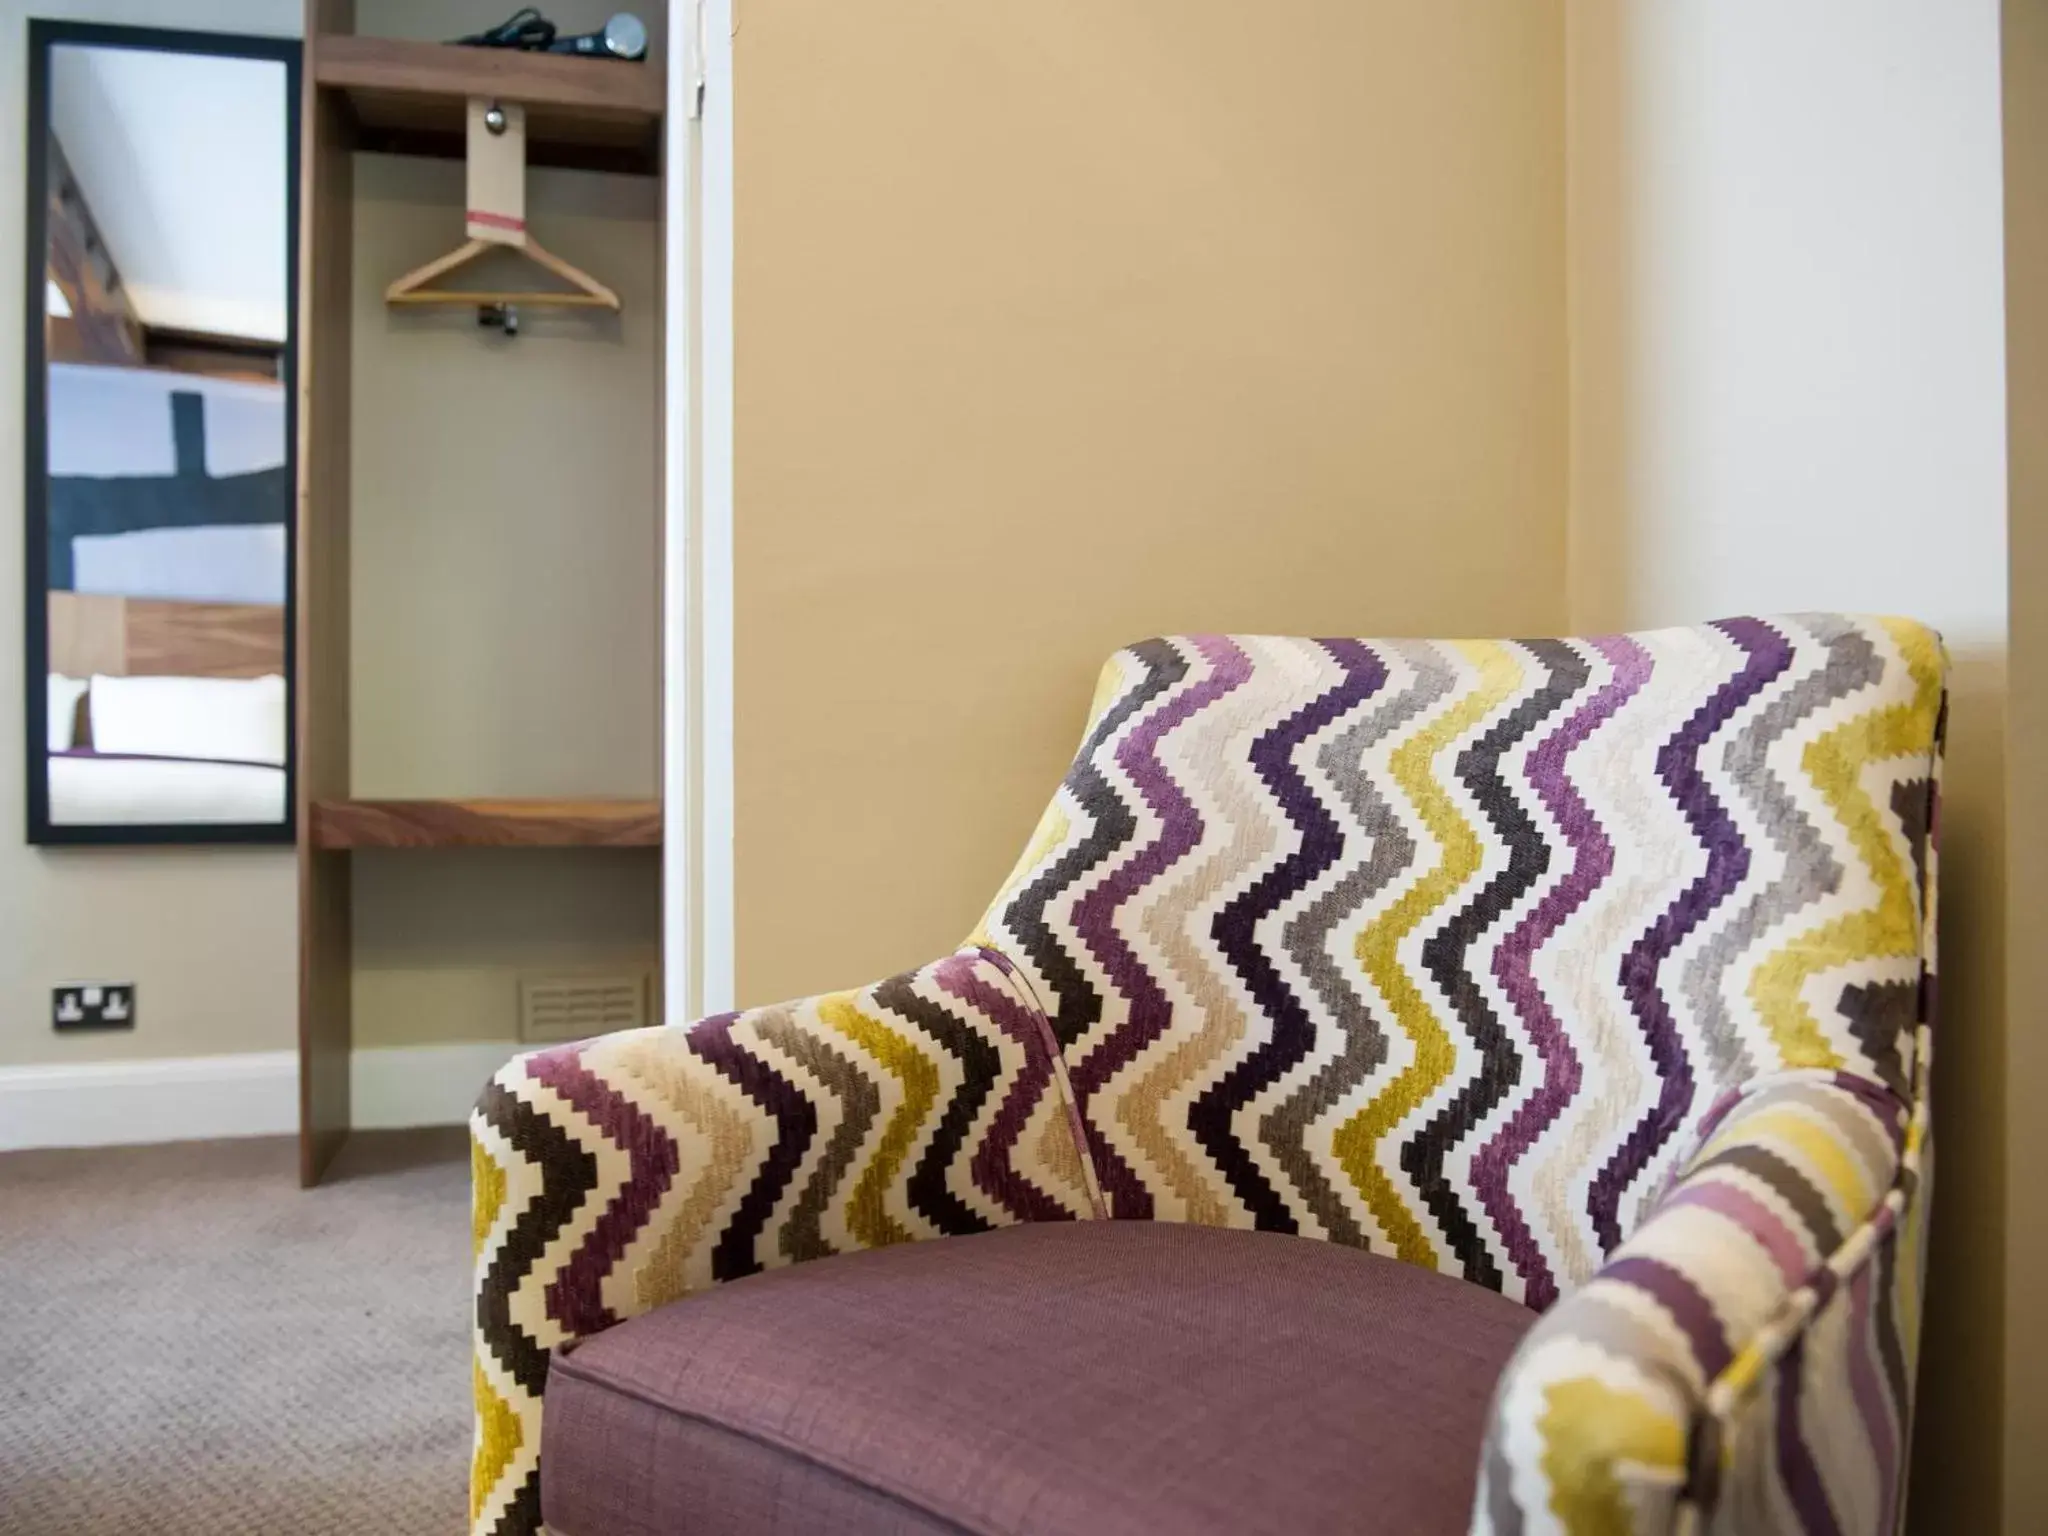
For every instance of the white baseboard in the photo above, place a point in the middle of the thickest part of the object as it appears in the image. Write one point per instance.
(196, 1098)
(114, 1103)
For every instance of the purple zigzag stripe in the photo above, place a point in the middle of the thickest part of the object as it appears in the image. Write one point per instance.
(1593, 860)
(796, 1123)
(1683, 1301)
(575, 1296)
(1292, 1030)
(995, 1174)
(1766, 656)
(1871, 1398)
(1796, 1467)
(1095, 913)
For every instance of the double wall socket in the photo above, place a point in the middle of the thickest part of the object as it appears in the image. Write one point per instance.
(93, 1005)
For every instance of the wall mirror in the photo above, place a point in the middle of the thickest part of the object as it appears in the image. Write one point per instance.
(160, 434)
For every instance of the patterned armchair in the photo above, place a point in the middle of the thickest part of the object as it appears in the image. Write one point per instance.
(1596, 973)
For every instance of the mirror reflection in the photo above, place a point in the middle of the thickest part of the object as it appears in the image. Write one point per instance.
(166, 440)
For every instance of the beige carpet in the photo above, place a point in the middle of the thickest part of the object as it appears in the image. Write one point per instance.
(189, 1342)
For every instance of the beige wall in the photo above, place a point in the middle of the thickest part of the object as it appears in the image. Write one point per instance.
(1788, 390)
(209, 936)
(1062, 326)
(2026, 1078)
(505, 588)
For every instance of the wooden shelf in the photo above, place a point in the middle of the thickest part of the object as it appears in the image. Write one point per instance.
(487, 823)
(410, 98)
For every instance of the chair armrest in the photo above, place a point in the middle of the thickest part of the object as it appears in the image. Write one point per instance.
(624, 1172)
(1743, 1362)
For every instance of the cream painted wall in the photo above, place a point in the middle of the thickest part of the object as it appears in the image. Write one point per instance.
(1788, 391)
(209, 936)
(1064, 326)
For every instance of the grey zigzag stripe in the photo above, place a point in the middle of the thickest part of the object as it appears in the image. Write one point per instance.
(1810, 871)
(860, 1102)
(1307, 937)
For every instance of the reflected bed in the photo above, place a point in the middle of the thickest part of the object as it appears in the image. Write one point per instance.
(88, 789)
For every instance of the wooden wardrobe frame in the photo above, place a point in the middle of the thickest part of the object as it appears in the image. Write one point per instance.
(391, 96)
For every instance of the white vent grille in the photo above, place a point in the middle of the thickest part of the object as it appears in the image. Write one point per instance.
(553, 1009)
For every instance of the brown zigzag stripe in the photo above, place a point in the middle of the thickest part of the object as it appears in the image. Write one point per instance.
(1770, 1169)
(567, 1175)
(1076, 1004)
(796, 1123)
(981, 1067)
(860, 1103)
(998, 1168)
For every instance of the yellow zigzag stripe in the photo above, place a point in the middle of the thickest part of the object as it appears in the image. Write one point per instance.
(487, 1186)
(497, 1442)
(1835, 763)
(1356, 1143)
(497, 1426)
(867, 1215)
(1589, 1429)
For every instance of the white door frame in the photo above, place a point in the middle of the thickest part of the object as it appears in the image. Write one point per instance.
(697, 481)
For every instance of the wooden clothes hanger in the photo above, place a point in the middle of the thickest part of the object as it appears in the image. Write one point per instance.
(412, 289)
(497, 220)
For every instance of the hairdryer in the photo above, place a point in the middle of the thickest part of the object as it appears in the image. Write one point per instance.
(623, 37)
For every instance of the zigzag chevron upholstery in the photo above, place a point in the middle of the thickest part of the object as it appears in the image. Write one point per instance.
(616, 1175)
(1599, 972)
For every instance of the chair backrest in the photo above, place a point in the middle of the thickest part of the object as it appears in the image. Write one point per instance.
(1443, 947)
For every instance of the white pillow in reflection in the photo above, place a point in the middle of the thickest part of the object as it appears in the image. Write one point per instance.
(216, 719)
(65, 692)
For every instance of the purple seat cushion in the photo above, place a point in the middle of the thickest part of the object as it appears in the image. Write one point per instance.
(1098, 1377)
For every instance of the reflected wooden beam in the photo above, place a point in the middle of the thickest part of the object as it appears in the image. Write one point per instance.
(220, 357)
(102, 327)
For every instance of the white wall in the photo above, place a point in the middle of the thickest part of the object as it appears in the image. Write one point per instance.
(208, 935)
(1804, 210)
(1785, 281)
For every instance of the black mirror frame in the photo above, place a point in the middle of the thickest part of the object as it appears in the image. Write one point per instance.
(43, 36)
